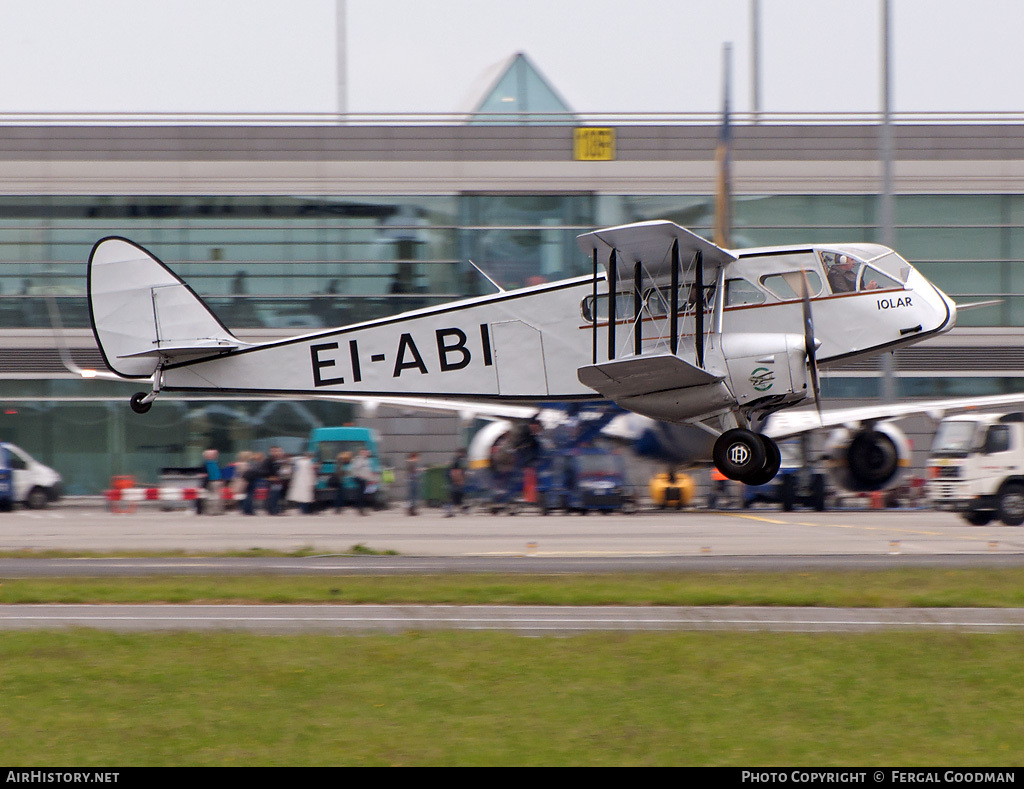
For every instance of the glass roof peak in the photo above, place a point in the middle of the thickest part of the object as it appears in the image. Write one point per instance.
(521, 94)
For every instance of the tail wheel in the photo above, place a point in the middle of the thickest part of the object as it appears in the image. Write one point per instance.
(739, 453)
(137, 405)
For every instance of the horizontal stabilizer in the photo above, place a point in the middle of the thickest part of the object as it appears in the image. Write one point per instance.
(171, 350)
(641, 375)
(143, 313)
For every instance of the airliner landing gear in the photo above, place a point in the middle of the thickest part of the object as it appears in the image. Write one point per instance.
(747, 457)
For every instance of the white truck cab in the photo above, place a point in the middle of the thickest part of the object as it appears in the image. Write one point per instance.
(33, 484)
(976, 467)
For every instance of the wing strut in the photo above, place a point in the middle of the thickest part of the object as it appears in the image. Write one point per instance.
(674, 300)
(593, 310)
(698, 316)
(613, 283)
(638, 306)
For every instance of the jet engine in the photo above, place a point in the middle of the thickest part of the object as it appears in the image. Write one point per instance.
(867, 459)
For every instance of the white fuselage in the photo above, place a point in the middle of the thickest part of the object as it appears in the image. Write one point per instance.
(528, 345)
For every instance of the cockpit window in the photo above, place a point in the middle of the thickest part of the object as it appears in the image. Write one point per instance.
(873, 279)
(847, 274)
(789, 285)
(842, 271)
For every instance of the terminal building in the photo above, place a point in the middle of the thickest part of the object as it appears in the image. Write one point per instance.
(285, 227)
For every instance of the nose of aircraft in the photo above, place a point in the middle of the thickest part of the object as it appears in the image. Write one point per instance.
(951, 305)
(942, 308)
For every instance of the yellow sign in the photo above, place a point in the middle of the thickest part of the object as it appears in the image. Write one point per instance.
(593, 144)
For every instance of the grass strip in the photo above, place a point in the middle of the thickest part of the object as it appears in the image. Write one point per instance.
(904, 587)
(85, 698)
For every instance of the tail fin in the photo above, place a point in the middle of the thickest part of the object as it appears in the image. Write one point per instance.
(143, 314)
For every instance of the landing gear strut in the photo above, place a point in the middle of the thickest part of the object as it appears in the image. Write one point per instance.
(141, 402)
(747, 457)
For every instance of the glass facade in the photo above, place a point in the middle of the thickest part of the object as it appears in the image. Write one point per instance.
(295, 263)
(89, 441)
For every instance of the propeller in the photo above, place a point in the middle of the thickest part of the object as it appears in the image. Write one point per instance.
(810, 345)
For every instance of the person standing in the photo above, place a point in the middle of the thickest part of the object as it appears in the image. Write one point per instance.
(239, 483)
(364, 477)
(277, 475)
(337, 481)
(302, 483)
(413, 471)
(456, 483)
(209, 501)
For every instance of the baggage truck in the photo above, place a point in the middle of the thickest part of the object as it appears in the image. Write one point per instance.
(976, 468)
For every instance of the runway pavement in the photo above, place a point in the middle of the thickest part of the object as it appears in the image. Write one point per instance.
(746, 533)
(651, 541)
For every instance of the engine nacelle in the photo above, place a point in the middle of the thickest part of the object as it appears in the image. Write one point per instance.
(868, 459)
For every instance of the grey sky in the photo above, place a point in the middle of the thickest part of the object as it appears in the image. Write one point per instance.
(430, 55)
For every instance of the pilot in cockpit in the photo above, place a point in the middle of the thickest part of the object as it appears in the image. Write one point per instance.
(842, 275)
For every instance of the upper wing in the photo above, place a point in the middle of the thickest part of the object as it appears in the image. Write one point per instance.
(787, 424)
(652, 243)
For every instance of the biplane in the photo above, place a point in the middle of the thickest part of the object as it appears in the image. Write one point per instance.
(667, 325)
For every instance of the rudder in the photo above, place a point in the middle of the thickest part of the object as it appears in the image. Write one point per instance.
(142, 312)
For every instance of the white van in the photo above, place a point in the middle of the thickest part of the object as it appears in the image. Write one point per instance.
(35, 485)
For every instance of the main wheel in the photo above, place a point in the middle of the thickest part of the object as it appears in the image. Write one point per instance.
(772, 463)
(137, 405)
(738, 453)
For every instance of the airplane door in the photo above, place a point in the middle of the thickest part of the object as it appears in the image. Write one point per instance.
(519, 357)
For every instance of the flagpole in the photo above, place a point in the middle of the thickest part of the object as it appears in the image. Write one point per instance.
(723, 194)
(885, 207)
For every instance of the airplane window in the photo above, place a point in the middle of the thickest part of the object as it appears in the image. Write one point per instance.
(873, 279)
(657, 300)
(739, 292)
(657, 303)
(847, 274)
(623, 306)
(894, 266)
(842, 271)
(789, 285)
